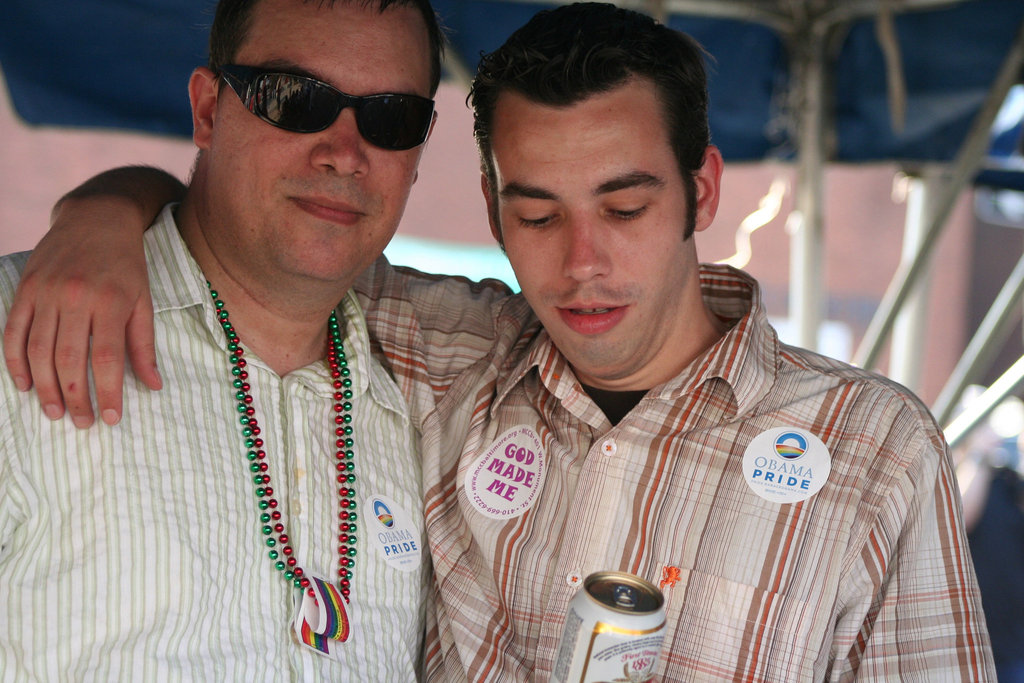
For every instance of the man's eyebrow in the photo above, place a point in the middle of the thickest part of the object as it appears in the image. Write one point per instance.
(516, 190)
(635, 179)
(523, 191)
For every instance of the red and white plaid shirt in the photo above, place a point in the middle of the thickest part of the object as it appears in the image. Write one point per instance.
(868, 579)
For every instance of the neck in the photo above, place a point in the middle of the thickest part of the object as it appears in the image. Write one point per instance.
(284, 324)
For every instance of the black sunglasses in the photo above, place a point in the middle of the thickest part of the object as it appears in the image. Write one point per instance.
(305, 105)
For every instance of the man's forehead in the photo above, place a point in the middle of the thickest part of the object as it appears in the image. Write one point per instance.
(352, 44)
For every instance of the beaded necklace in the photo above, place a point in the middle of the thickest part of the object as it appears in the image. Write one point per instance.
(276, 536)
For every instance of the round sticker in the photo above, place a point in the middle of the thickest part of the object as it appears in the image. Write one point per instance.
(786, 465)
(505, 481)
(390, 529)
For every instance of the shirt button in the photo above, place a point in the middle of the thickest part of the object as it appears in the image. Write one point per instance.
(609, 447)
(573, 579)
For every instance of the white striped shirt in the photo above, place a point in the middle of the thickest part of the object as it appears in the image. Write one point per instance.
(135, 553)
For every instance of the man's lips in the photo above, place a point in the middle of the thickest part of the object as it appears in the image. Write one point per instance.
(592, 318)
(329, 210)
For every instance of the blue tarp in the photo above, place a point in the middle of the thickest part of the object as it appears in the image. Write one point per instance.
(125, 64)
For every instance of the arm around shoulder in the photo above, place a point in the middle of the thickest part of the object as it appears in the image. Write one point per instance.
(87, 279)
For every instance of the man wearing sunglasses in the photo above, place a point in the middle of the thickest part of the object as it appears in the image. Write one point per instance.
(799, 515)
(260, 518)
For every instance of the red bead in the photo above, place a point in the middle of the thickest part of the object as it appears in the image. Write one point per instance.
(291, 561)
(287, 550)
(279, 528)
(304, 582)
(272, 502)
(268, 491)
(298, 571)
(283, 538)
(276, 514)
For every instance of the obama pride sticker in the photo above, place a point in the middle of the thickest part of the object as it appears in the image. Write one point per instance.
(505, 481)
(786, 465)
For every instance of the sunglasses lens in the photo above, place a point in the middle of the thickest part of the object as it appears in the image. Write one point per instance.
(305, 105)
(395, 121)
(295, 103)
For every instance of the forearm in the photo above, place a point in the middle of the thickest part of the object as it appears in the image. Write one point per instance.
(139, 192)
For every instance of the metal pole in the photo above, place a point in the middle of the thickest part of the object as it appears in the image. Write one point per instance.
(984, 344)
(807, 253)
(985, 404)
(906, 360)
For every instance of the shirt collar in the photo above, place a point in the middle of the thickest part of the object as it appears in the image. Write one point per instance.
(177, 282)
(744, 359)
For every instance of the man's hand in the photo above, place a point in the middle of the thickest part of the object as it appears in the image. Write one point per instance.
(87, 278)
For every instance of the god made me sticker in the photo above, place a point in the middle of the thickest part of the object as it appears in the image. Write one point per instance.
(506, 480)
(786, 465)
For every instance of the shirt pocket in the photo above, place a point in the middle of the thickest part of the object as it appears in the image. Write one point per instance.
(717, 628)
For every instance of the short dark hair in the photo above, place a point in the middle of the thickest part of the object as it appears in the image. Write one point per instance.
(231, 26)
(564, 55)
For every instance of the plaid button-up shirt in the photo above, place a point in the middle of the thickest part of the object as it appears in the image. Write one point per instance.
(870, 578)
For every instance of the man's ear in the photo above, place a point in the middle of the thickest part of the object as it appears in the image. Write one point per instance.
(709, 184)
(492, 209)
(203, 88)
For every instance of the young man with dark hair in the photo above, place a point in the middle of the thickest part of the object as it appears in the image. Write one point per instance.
(800, 515)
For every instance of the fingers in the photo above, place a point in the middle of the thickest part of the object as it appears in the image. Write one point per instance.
(139, 339)
(107, 365)
(67, 344)
(19, 321)
(39, 348)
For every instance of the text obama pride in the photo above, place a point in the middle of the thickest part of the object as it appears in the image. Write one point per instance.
(783, 473)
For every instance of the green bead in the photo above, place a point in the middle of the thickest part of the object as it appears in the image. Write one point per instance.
(251, 455)
(297, 582)
(258, 479)
(213, 292)
(350, 466)
(263, 504)
(273, 554)
(271, 542)
(260, 492)
(289, 575)
(347, 394)
(236, 371)
(352, 552)
(267, 530)
(254, 467)
(279, 566)
(241, 408)
(346, 406)
(265, 517)
(352, 518)
(351, 506)
(233, 345)
(250, 443)
(237, 383)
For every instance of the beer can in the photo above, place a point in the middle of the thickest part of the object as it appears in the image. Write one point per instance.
(613, 631)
